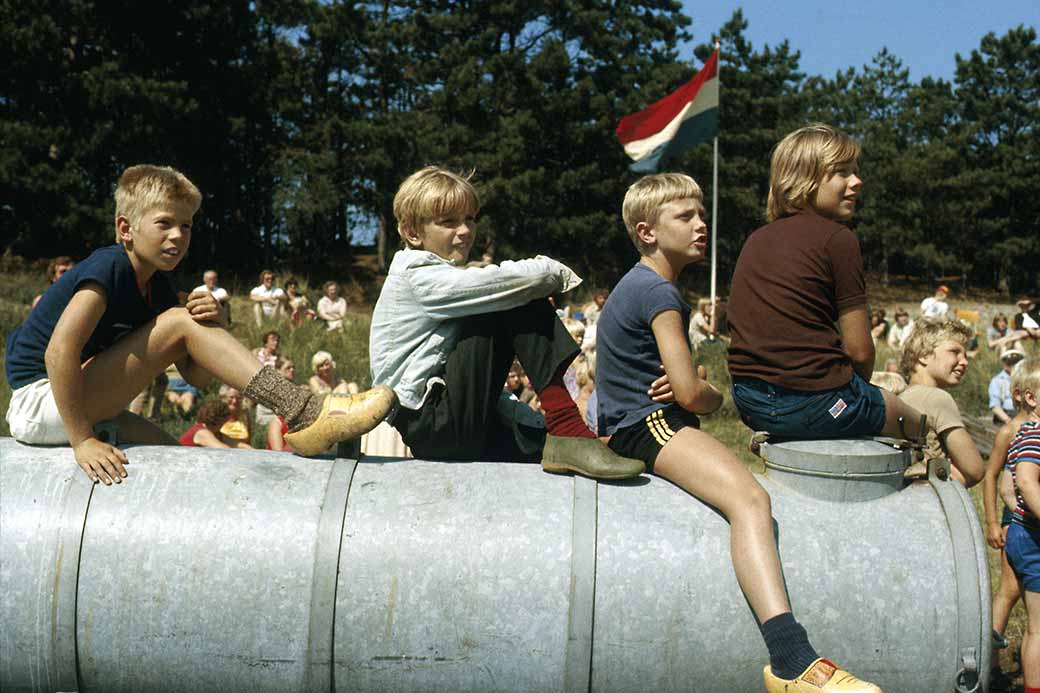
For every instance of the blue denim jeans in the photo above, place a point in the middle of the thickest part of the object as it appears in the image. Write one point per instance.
(855, 409)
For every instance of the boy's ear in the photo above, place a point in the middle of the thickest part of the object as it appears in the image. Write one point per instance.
(410, 235)
(123, 229)
(646, 233)
(1030, 398)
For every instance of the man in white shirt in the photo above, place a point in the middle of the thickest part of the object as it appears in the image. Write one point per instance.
(209, 283)
(268, 300)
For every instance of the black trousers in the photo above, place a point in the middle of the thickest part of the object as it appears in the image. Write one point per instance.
(458, 421)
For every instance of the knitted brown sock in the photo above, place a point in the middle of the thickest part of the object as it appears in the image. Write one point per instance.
(292, 402)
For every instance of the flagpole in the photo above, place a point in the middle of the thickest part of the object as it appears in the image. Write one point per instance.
(715, 204)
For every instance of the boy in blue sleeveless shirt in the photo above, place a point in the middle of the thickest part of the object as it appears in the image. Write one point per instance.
(644, 325)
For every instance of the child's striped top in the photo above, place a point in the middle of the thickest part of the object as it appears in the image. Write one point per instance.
(1025, 447)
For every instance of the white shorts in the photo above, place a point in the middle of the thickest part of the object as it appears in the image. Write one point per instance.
(33, 415)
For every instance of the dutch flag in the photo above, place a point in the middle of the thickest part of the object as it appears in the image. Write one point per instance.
(684, 118)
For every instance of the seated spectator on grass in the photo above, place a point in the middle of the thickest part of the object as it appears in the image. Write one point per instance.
(1001, 401)
(879, 327)
(206, 431)
(997, 334)
(299, 307)
(209, 283)
(900, 331)
(702, 324)
(332, 308)
(148, 402)
(936, 306)
(1027, 320)
(268, 353)
(179, 392)
(889, 379)
(57, 267)
(592, 309)
(325, 378)
(236, 426)
(268, 300)
(276, 430)
(287, 369)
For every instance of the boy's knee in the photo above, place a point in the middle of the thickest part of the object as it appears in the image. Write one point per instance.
(758, 500)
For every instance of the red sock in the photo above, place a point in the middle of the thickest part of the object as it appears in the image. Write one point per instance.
(562, 417)
(1032, 690)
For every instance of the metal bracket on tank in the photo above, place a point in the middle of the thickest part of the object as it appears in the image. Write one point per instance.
(969, 672)
(939, 469)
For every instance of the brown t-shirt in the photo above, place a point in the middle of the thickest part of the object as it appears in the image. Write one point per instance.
(792, 278)
(940, 409)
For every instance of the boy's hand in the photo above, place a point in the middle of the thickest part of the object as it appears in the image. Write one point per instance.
(661, 390)
(100, 461)
(994, 535)
(202, 307)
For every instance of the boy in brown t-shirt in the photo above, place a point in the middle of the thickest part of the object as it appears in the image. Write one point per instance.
(934, 359)
(801, 354)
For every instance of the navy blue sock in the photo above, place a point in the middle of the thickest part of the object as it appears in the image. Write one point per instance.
(789, 650)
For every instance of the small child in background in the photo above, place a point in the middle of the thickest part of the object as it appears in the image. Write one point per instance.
(935, 359)
(995, 481)
(1023, 537)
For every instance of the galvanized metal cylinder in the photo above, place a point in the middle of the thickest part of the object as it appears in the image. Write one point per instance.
(229, 570)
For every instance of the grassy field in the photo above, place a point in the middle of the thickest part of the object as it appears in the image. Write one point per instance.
(349, 348)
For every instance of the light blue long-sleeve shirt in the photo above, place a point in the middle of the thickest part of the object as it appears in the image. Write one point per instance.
(415, 324)
(1000, 392)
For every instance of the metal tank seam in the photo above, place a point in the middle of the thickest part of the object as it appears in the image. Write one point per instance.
(967, 574)
(321, 628)
(74, 675)
(577, 675)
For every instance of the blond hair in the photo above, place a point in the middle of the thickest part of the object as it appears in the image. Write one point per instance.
(927, 335)
(1025, 376)
(144, 187)
(430, 193)
(799, 164)
(645, 198)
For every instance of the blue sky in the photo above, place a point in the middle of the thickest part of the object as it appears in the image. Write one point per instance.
(834, 35)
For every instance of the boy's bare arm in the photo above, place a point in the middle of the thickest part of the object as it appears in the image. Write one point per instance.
(689, 391)
(854, 326)
(1027, 478)
(963, 454)
(997, 456)
(62, 358)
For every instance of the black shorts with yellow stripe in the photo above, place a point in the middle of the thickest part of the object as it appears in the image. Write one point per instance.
(644, 440)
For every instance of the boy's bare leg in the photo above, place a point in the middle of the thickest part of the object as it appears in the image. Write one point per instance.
(137, 429)
(1007, 594)
(1031, 641)
(895, 408)
(116, 375)
(704, 467)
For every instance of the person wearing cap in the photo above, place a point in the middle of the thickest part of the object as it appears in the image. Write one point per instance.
(1027, 320)
(1001, 402)
(936, 306)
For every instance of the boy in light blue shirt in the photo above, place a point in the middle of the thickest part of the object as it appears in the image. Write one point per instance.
(444, 336)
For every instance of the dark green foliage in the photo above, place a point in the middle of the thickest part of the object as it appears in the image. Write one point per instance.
(299, 118)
